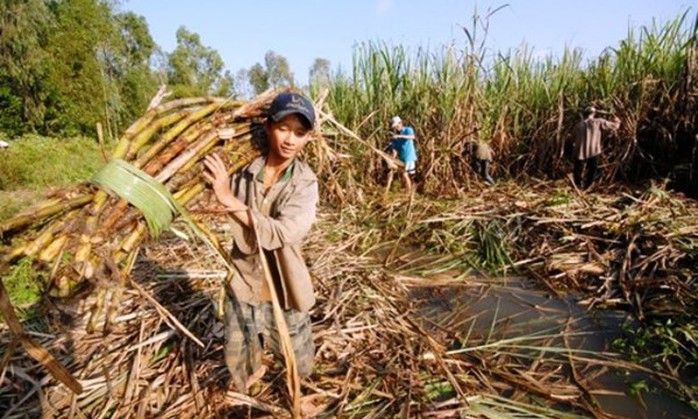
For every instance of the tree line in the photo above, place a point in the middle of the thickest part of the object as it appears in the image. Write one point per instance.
(66, 65)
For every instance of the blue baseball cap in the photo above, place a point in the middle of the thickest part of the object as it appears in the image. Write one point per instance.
(287, 103)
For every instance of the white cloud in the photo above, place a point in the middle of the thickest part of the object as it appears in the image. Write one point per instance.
(383, 7)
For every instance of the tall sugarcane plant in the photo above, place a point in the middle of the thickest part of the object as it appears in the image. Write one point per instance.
(525, 105)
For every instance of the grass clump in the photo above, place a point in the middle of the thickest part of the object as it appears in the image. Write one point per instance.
(11, 202)
(669, 345)
(24, 285)
(35, 162)
(493, 247)
(663, 344)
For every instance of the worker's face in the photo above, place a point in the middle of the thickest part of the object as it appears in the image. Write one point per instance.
(287, 136)
(397, 127)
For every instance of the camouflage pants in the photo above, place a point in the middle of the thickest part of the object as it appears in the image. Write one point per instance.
(248, 329)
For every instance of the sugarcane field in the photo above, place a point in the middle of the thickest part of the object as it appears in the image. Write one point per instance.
(430, 233)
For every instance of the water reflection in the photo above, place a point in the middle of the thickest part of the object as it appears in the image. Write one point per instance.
(512, 317)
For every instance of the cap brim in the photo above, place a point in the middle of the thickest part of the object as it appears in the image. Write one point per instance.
(281, 115)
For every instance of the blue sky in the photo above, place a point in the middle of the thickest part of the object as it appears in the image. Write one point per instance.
(302, 30)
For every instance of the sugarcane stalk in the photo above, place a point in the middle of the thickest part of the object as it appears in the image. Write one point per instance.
(132, 240)
(185, 179)
(154, 166)
(113, 216)
(183, 158)
(121, 147)
(12, 255)
(241, 141)
(96, 310)
(198, 155)
(148, 117)
(145, 121)
(240, 157)
(292, 377)
(256, 106)
(39, 243)
(117, 293)
(53, 249)
(175, 149)
(181, 124)
(190, 173)
(124, 224)
(112, 307)
(195, 185)
(43, 240)
(212, 238)
(184, 195)
(43, 210)
(144, 136)
(83, 251)
(188, 136)
(61, 287)
(120, 255)
(127, 261)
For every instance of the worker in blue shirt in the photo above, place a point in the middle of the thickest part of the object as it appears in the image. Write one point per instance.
(402, 147)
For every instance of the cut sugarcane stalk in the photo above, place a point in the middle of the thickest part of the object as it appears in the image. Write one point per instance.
(42, 211)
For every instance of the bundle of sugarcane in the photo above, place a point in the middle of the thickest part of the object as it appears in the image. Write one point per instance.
(88, 235)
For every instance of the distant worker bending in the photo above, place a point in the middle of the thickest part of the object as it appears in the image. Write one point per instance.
(402, 147)
(587, 145)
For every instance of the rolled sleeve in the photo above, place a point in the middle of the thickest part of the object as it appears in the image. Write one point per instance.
(609, 125)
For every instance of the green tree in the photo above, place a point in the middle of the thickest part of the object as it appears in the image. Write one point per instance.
(243, 88)
(319, 75)
(259, 79)
(81, 45)
(197, 70)
(67, 64)
(137, 81)
(23, 64)
(278, 70)
(135, 34)
(275, 73)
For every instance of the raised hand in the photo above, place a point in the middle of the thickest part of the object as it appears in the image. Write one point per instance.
(217, 174)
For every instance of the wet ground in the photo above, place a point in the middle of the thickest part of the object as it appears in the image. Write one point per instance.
(491, 312)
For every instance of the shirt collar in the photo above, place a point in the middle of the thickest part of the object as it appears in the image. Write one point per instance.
(285, 177)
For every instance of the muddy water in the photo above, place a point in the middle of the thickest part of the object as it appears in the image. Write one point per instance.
(487, 312)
